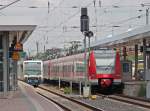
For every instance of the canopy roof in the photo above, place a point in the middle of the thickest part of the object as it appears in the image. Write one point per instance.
(128, 38)
(20, 27)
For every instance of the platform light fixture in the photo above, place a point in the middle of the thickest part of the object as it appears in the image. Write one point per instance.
(147, 11)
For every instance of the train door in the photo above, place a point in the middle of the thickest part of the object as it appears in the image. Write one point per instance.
(126, 70)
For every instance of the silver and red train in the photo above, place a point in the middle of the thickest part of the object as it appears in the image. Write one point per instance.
(104, 68)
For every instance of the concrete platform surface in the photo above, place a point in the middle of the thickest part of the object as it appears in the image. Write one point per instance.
(26, 99)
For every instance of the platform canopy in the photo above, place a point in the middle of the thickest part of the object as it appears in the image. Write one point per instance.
(132, 37)
(17, 26)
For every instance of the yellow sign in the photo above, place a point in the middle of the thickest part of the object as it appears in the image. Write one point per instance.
(15, 56)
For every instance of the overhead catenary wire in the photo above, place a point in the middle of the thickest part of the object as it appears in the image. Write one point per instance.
(69, 18)
(104, 25)
(5, 6)
(107, 25)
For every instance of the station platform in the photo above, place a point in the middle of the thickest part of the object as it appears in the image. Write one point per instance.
(26, 99)
(135, 88)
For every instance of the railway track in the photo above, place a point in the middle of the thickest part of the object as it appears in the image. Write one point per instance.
(127, 99)
(103, 103)
(67, 103)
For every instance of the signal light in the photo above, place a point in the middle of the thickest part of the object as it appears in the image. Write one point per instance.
(141, 48)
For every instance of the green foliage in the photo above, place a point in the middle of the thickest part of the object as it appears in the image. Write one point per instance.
(132, 57)
(67, 90)
(142, 91)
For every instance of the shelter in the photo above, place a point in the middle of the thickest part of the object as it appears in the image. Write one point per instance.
(12, 29)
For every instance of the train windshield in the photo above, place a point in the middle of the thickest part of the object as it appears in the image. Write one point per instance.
(32, 68)
(105, 63)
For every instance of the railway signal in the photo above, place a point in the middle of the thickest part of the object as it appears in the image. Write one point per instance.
(84, 20)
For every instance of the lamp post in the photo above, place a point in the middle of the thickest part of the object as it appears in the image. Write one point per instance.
(147, 12)
(85, 60)
(85, 30)
(147, 16)
(89, 34)
(84, 25)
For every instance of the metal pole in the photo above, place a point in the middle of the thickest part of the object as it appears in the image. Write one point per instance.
(15, 75)
(136, 61)
(144, 56)
(147, 16)
(71, 87)
(5, 40)
(95, 23)
(89, 44)
(44, 49)
(88, 69)
(148, 61)
(59, 82)
(80, 84)
(85, 61)
(88, 60)
(37, 47)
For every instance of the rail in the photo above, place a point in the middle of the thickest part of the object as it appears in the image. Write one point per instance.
(127, 99)
(72, 100)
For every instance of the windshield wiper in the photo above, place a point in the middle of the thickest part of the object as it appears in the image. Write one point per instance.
(108, 66)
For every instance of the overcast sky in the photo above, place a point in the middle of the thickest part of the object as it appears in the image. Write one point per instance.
(62, 23)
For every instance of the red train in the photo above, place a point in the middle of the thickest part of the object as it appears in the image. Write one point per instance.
(104, 68)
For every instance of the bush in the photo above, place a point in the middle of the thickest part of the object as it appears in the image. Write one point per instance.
(67, 90)
(142, 91)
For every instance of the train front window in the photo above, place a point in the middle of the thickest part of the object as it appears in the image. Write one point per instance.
(105, 65)
(32, 68)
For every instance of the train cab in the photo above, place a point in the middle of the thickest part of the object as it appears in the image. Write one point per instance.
(105, 66)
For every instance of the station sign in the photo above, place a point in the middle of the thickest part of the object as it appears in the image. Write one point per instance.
(15, 56)
(22, 54)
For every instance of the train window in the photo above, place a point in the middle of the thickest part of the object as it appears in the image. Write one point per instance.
(72, 68)
(46, 68)
(105, 65)
(65, 68)
(54, 69)
(104, 54)
(79, 67)
(57, 69)
(33, 68)
(60, 68)
(104, 61)
(69, 68)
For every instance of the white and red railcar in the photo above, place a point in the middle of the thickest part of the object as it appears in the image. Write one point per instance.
(104, 68)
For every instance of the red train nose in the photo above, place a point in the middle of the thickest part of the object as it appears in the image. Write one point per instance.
(105, 83)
